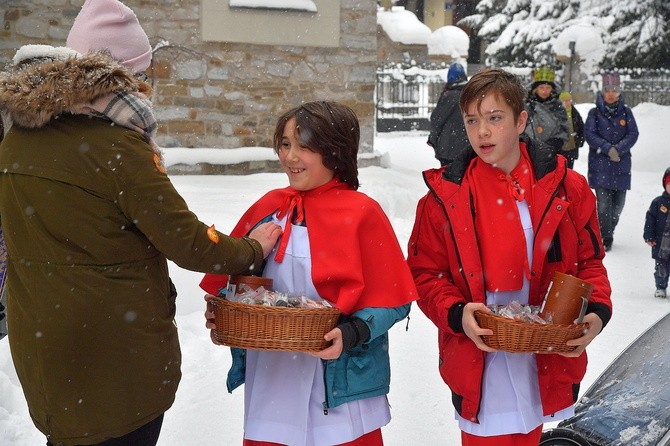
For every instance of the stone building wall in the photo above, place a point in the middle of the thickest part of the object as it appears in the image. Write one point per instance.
(227, 95)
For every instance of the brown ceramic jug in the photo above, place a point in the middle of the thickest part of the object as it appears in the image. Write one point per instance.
(566, 299)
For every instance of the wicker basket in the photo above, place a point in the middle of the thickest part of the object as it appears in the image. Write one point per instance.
(526, 337)
(261, 327)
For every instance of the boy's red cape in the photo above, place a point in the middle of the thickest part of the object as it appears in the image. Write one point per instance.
(356, 259)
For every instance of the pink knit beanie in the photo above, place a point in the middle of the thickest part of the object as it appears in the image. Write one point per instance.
(110, 25)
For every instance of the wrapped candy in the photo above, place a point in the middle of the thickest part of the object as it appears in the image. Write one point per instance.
(519, 312)
(260, 296)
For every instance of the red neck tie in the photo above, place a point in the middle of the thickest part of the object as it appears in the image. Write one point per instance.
(292, 204)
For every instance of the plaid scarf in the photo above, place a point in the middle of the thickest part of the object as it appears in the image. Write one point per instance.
(130, 110)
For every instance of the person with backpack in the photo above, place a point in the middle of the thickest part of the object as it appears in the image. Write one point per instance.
(447, 132)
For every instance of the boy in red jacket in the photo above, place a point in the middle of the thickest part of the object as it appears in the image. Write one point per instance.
(494, 226)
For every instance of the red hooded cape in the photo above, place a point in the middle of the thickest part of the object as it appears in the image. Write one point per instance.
(356, 259)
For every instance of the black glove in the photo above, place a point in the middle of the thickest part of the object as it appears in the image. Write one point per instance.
(354, 332)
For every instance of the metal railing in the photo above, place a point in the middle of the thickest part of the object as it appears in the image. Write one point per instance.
(646, 86)
(406, 95)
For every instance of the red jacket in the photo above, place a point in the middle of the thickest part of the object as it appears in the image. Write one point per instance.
(444, 258)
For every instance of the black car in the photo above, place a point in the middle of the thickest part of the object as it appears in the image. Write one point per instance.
(629, 404)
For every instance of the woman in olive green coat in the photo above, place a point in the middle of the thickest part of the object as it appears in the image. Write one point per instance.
(90, 219)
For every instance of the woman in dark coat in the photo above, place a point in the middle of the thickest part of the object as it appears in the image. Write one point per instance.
(91, 219)
(611, 131)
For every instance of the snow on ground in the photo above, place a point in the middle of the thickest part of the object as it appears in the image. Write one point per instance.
(205, 414)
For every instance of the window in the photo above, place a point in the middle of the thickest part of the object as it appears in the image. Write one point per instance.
(284, 5)
(272, 22)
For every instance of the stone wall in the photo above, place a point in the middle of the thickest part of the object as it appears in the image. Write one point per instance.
(226, 95)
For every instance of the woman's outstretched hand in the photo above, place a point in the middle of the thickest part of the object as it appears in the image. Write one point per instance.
(267, 235)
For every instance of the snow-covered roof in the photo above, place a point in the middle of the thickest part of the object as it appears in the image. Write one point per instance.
(450, 41)
(403, 26)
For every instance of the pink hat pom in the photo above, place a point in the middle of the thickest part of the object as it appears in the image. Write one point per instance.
(112, 26)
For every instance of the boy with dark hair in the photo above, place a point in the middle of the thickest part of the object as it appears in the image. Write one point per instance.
(494, 226)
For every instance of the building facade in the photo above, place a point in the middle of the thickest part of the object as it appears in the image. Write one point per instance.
(223, 71)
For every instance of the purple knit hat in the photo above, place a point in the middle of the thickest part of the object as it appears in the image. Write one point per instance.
(112, 26)
(611, 81)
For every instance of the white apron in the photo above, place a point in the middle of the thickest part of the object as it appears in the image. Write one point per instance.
(284, 391)
(510, 390)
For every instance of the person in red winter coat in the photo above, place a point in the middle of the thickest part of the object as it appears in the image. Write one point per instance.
(494, 226)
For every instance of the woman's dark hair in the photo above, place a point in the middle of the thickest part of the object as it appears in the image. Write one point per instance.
(328, 128)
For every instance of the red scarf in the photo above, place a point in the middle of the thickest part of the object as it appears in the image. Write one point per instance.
(356, 259)
(502, 242)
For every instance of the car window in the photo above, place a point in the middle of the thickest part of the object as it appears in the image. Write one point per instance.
(629, 404)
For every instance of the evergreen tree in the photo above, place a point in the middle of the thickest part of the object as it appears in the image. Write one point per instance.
(485, 11)
(490, 20)
(639, 36)
(520, 32)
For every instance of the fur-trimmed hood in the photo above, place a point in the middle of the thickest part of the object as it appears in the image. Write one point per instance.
(34, 91)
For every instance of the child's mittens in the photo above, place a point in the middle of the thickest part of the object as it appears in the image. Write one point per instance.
(614, 155)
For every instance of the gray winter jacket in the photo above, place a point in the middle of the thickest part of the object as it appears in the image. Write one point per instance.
(547, 124)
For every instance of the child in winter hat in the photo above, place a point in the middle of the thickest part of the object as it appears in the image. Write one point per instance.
(456, 74)
(657, 235)
(109, 25)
